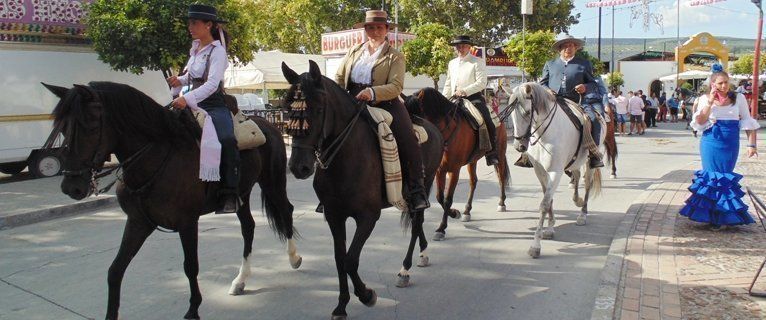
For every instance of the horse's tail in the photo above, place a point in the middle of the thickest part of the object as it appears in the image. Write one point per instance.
(273, 182)
(611, 148)
(507, 177)
(595, 184)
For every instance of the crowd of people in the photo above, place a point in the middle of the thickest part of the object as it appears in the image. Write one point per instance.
(638, 111)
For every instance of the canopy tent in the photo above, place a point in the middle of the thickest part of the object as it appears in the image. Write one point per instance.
(686, 75)
(265, 71)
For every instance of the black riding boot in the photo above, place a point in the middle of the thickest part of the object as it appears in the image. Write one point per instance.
(478, 101)
(595, 130)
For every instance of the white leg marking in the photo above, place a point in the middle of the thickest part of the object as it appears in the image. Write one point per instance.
(238, 284)
(292, 252)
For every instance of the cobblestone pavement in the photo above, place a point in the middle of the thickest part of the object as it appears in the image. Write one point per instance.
(675, 268)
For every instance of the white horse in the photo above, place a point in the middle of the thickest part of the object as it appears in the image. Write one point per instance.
(551, 141)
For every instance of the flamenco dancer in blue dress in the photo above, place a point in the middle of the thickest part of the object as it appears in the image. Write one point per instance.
(716, 194)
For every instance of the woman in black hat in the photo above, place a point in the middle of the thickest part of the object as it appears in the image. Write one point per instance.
(204, 72)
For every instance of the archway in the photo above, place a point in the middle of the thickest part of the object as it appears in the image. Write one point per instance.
(702, 42)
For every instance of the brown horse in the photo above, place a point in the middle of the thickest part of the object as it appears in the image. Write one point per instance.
(611, 143)
(460, 149)
(331, 135)
(158, 186)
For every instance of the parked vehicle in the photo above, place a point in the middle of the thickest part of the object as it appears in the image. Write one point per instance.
(26, 106)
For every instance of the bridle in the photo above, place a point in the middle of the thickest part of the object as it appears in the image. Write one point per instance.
(299, 121)
(530, 131)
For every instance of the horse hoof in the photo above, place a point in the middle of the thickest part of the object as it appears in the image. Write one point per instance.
(613, 176)
(534, 252)
(339, 317)
(454, 213)
(581, 220)
(466, 218)
(402, 281)
(424, 262)
(439, 236)
(192, 315)
(297, 263)
(372, 300)
(237, 289)
(501, 209)
(548, 235)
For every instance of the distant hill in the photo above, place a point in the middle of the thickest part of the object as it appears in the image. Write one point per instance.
(624, 47)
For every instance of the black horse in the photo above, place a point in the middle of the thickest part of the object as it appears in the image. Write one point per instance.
(159, 160)
(349, 182)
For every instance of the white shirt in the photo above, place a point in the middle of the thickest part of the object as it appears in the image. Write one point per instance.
(361, 72)
(466, 73)
(635, 103)
(620, 104)
(737, 111)
(196, 69)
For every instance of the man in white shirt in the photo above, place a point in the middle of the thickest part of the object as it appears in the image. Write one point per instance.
(636, 109)
(467, 78)
(621, 109)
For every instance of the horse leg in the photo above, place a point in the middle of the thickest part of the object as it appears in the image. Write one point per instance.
(338, 230)
(424, 260)
(441, 177)
(589, 184)
(441, 232)
(133, 238)
(364, 226)
(472, 182)
(415, 230)
(576, 194)
(551, 180)
(247, 224)
(188, 236)
(502, 177)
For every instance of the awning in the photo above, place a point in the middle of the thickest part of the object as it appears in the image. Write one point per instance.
(265, 71)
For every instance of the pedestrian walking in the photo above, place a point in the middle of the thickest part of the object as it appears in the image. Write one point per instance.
(636, 109)
(662, 116)
(673, 108)
(716, 193)
(621, 109)
(652, 109)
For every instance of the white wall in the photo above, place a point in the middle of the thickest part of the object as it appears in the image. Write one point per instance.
(639, 74)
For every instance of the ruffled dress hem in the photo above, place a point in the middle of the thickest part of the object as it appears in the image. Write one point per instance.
(717, 199)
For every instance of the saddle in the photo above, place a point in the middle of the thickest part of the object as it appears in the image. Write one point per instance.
(580, 120)
(475, 119)
(246, 131)
(392, 169)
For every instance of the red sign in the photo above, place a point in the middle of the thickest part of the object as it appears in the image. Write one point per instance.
(338, 43)
(494, 57)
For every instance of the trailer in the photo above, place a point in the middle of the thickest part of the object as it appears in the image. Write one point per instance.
(26, 106)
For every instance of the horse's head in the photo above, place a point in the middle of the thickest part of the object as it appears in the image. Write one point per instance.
(87, 143)
(520, 102)
(306, 102)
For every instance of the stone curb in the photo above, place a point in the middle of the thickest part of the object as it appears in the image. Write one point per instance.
(604, 306)
(34, 216)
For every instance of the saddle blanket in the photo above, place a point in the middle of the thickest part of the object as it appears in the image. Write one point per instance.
(392, 169)
(246, 131)
(581, 121)
(474, 111)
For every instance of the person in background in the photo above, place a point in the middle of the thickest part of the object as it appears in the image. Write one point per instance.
(662, 116)
(652, 110)
(673, 107)
(716, 196)
(636, 109)
(621, 109)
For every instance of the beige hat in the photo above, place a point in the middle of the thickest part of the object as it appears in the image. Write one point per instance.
(375, 16)
(568, 38)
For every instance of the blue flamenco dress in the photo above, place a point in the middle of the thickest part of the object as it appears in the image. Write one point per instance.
(716, 193)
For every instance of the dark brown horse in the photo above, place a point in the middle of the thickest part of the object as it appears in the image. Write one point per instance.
(460, 149)
(334, 136)
(158, 187)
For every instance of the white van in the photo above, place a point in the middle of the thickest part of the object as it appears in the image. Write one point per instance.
(26, 106)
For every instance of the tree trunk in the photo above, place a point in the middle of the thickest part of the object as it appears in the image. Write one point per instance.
(436, 84)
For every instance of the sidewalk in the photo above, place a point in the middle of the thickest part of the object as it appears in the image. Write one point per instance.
(665, 266)
(29, 201)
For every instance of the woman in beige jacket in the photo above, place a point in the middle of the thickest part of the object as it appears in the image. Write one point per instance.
(374, 72)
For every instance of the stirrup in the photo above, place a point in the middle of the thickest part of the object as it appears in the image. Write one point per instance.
(231, 204)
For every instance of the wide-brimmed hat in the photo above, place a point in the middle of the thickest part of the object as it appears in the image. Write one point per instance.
(568, 38)
(461, 40)
(375, 16)
(203, 12)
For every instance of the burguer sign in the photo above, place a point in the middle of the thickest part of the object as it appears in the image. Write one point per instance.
(338, 43)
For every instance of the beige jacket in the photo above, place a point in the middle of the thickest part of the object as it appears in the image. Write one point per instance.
(468, 74)
(387, 73)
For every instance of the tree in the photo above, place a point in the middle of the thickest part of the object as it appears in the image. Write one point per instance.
(430, 52)
(615, 80)
(538, 51)
(598, 65)
(490, 22)
(135, 35)
(744, 65)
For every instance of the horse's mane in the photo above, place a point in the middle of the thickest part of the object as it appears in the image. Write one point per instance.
(541, 97)
(133, 114)
(432, 103)
(313, 92)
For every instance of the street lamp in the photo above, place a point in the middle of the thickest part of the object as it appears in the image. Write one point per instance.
(526, 8)
(756, 59)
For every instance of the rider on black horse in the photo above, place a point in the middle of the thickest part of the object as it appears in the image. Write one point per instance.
(467, 78)
(572, 77)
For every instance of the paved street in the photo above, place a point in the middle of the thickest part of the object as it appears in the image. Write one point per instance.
(57, 269)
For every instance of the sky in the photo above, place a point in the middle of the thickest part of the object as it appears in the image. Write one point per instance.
(729, 18)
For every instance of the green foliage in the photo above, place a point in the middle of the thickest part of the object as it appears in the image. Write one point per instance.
(688, 86)
(135, 35)
(430, 53)
(744, 65)
(598, 66)
(490, 22)
(538, 51)
(615, 80)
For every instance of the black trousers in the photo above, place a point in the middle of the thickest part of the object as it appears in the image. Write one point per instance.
(651, 117)
(478, 100)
